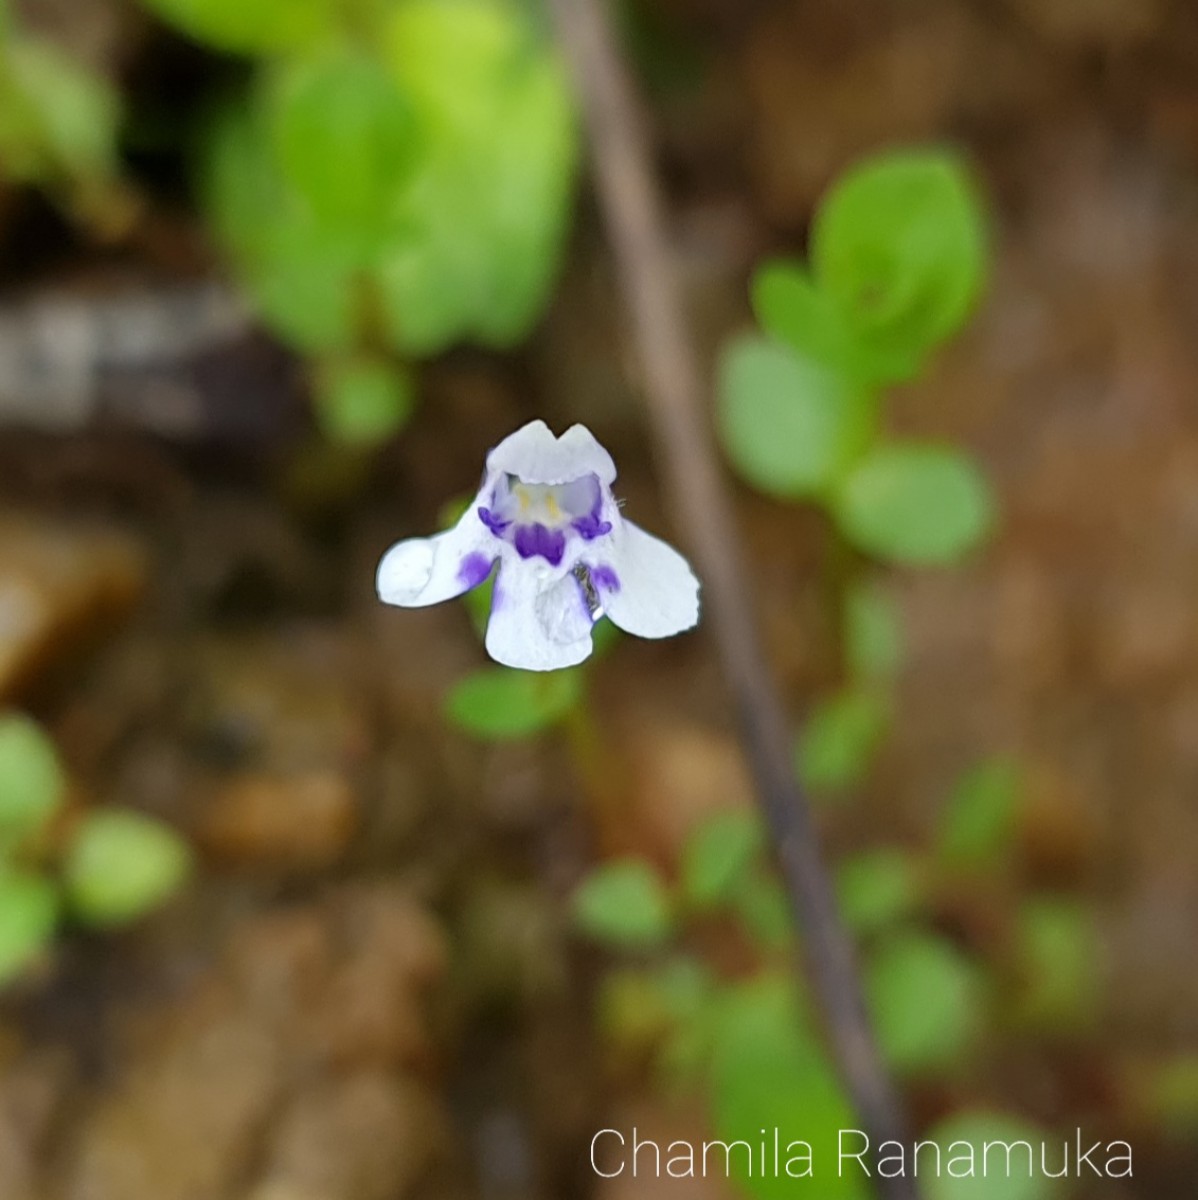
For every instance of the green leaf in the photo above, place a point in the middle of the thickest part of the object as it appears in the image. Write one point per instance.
(28, 916)
(122, 865)
(485, 215)
(250, 26)
(878, 889)
(978, 826)
(1059, 956)
(915, 504)
(307, 283)
(718, 855)
(789, 425)
(842, 734)
(900, 246)
(873, 634)
(345, 138)
(768, 1073)
(502, 704)
(796, 311)
(624, 904)
(362, 401)
(970, 1172)
(764, 910)
(928, 1003)
(31, 778)
(58, 120)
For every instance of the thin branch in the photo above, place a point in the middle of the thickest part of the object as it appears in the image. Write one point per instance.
(701, 502)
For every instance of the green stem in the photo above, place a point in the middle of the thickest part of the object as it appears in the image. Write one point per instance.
(601, 773)
(841, 570)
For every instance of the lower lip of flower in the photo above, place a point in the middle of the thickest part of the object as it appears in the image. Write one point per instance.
(536, 539)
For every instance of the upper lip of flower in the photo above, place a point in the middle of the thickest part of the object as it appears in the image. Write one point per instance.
(546, 512)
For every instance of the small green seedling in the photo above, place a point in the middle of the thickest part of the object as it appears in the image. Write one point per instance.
(105, 869)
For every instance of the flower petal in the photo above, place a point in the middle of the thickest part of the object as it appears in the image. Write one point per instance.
(535, 456)
(563, 611)
(538, 623)
(423, 571)
(647, 588)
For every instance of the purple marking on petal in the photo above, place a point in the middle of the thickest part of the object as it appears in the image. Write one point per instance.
(536, 539)
(590, 527)
(604, 578)
(492, 521)
(473, 569)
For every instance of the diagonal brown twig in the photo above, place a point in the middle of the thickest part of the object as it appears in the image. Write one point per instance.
(699, 496)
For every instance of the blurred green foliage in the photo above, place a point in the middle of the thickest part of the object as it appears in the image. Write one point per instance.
(748, 1039)
(967, 1134)
(1059, 956)
(501, 703)
(790, 424)
(59, 124)
(878, 889)
(916, 505)
(768, 1071)
(393, 187)
(121, 865)
(28, 916)
(979, 824)
(625, 903)
(360, 400)
(838, 741)
(719, 856)
(898, 263)
(394, 176)
(31, 779)
(104, 868)
(873, 634)
(927, 1000)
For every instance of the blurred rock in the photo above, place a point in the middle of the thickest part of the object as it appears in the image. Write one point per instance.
(292, 822)
(1031, 636)
(59, 583)
(279, 702)
(511, 944)
(163, 360)
(369, 1136)
(31, 1091)
(829, 83)
(389, 952)
(1146, 633)
(302, 1030)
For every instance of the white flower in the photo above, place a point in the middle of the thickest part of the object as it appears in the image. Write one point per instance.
(566, 555)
